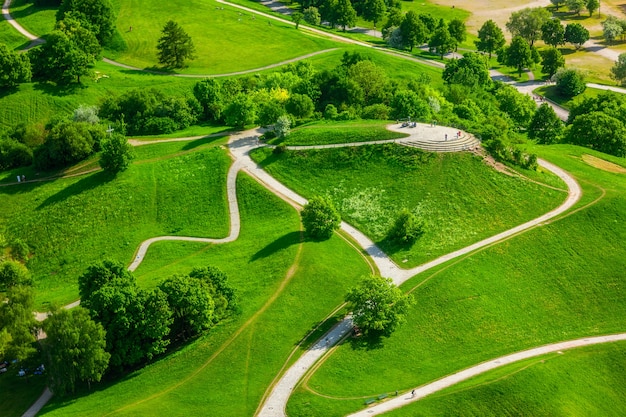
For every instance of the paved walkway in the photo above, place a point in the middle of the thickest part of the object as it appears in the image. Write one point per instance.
(423, 391)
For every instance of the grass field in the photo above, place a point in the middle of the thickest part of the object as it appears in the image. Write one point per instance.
(586, 381)
(550, 284)
(10, 37)
(227, 372)
(321, 133)
(35, 19)
(461, 198)
(71, 223)
(19, 394)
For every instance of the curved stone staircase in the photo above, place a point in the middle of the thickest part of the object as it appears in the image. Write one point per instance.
(464, 143)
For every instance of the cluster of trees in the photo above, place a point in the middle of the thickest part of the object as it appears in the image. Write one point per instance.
(65, 141)
(343, 13)
(576, 6)
(141, 324)
(613, 28)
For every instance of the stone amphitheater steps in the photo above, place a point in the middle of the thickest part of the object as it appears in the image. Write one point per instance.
(465, 142)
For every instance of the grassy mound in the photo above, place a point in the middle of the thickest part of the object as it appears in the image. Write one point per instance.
(461, 199)
(550, 284)
(74, 222)
(226, 372)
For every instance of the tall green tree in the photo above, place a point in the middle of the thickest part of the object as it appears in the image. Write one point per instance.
(527, 23)
(374, 11)
(17, 322)
(117, 153)
(95, 15)
(241, 111)
(75, 348)
(14, 67)
(599, 131)
(490, 38)
(441, 41)
(297, 17)
(570, 82)
(346, 15)
(413, 30)
(552, 61)
(311, 15)
(518, 106)
(378, 306)
(457, 30)
(575, 6)
(611, 29)
(60, 59)
(553, 32)
(320, 218)
(470, 70)
(557, 3)
(592, 6)
(576, 34)
(519, 54)
(13, 273)
(175, 46)
(545, 126)
(618, 70)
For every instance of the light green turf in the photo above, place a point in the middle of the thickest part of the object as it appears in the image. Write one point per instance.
(218, 35)
(584, 381)
(11, 37)
(461, 198)
(234, 381)
(550, 284)
(339, 132)
(36, 20)
(72, 223)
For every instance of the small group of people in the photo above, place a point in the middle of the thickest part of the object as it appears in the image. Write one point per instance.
(21, 178)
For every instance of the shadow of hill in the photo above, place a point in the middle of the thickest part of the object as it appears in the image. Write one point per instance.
(85, 184)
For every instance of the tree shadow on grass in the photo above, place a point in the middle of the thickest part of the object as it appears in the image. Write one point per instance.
(366, 342)
(58, 90)
(85, 184)
(202, 141)
(283, 242)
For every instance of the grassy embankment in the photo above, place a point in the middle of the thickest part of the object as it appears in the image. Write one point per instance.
(553, 283)
(462, 199)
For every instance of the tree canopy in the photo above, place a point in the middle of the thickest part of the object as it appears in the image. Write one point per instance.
(14, 67)
(175, 46)
(320, 218)
(116, 154)
(528, 22)
(576, 34)
(490, 38)
(95, 15)
(378, 306)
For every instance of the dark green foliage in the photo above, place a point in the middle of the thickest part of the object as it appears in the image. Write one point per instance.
(374, 10)
(80, 35)
(96, 15)
(149, 111)
(68, 142)
(553, 33)
(413, 30)
(378, 306)
(14, 154)
(60, 59)
(471, 70)
(300, 106)
(441, 41)
(457, 30)
(75, 349)
(552, 61)
(191, 304)
(406, 229)
(13, 273)
(297, 17)
(345, 15)
(518, 55)
(490, 38)
(369, 83)
(241, 111)
(14, 67)
(320, 218)
(116, 154)
(224, 296)
(570, 82)
(19, 250)
(208, 92)
(606, 102)
(18, 321)
(269, 112)
(407, 103)
(618, 71)
(576, 34)
(375, 111)
(545, 126)
(500, 148)
(599, 131)
(519, 107)
(175, 46)
(311, 15)
(101, 274)
(528, 22)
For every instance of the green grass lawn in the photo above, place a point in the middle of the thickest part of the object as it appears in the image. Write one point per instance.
(218, 36)
(585, 381)
(11, 37)
(551, 93)
(321, 133)
(461, 198)
(226, 372)
(74, 222)
(35, 19)
(19, 393)
(553, 283)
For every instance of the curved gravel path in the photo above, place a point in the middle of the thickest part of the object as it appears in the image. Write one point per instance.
(425, 390)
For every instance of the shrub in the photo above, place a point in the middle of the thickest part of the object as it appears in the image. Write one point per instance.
(19, 250)
(406, 229)
(14, 154)
(570, 82)
(376, 111)
(320, 218)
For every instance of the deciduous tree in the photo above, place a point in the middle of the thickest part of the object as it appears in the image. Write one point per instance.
(175, 46)
(378, 306)
(320, 218)
(553, 32)
(346, 15)
(552, 61)
(14, 67)
(490, 38)
(518, 55)
(374, 11)
(599, 131)
(96, 15)
(296, 17)
(470, 70)
(457, 30)
(527, 23)
(618, 70)
(406, 229)
(576, 34)
(413, 30)
(75, 349)
(592, 6)
(441, 41)
(117, 153)
(545, 126)
(312, 16)
(570, 82)
(575, 6)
